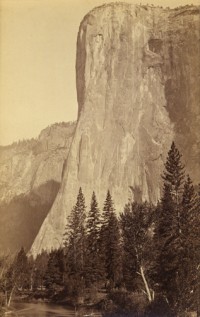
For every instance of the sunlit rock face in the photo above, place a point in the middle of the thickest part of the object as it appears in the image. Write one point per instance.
(26, 165)
(138, 89)
(31, 173)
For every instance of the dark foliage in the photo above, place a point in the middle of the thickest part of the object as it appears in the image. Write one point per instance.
(110, 246)
(145, 264)
(94, 269)
(75, 244)
(55, 271)
(138, 249)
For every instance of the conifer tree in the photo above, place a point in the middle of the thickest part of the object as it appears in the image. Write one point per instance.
(54, 272)
(94, 270)
(108, 209)
(168, 227)
(110, 242)
(113, 251)
(75, 239)
(40, 268)
(190, 243)
(130, 265)
(20, 269)
(173, 175)
(104, 233)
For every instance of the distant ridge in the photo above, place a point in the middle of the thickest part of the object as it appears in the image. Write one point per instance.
(31, 173)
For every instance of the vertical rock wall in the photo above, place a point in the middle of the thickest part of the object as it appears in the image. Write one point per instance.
(137, 86)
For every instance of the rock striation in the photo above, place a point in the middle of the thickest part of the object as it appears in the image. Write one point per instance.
(137, 72)
(31, 173)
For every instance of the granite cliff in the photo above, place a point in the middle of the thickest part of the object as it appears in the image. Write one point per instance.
(31, 173)
(138, 89)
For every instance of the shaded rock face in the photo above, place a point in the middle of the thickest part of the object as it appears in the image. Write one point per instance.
(138, 89)
(22, 217)
(31, 173)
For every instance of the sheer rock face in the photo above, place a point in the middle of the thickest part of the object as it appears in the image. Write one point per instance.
(138, 89)
(31, 173)
(27, 165)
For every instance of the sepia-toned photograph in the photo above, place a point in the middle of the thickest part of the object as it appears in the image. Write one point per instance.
(100, 158)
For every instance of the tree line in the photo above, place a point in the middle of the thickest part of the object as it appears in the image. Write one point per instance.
(146, 261)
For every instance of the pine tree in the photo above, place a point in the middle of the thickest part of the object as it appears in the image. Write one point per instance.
(130, 265)
(190, 239)
(40, 268)
(173, 175)
(108, 209)
(94, 270)
(54, 272)
(110, 243)
(75, 240)
(113, 251)
(20, 270)
(104, 233)
(168, 227)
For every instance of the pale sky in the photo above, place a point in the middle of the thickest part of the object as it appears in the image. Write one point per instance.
(37, 62)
